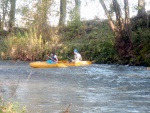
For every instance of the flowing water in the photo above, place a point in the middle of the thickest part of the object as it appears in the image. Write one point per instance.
(97, 88)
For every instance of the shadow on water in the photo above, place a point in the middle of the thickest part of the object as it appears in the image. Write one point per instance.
(90, 89)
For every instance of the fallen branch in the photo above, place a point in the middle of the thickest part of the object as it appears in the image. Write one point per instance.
(67, 110)
(29, 76)
(16, 86)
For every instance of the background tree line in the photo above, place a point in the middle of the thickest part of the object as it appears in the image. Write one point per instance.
(36, 16)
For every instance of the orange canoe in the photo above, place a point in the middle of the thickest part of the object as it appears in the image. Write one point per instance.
(63, 63)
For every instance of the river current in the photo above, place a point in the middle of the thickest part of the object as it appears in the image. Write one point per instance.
(97, 88)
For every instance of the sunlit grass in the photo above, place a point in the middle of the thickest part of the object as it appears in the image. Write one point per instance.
(12, 108)
(28, 46)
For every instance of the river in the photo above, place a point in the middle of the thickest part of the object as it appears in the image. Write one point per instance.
(97, 88)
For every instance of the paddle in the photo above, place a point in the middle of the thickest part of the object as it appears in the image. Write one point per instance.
(70, 59)
(50, 58)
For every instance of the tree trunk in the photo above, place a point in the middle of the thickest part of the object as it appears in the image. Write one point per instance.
(123, 37)
(4, 10)
(119, 19)
(142, 17)
(45, 6)
(77, 9)
(141, 8)
(127, 14)
(12, 14)
(0, 23)
(62, 17)
(123, 42)
(108, 16)
(122, 28)
(127, 19)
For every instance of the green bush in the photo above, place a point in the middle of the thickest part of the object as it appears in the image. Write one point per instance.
(141, 48)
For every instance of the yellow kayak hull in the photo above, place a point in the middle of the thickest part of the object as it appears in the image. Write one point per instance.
(59, 64)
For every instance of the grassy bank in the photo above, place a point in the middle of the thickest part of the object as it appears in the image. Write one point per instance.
(93, 39)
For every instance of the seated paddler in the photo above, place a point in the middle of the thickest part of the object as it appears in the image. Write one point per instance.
(52, 58)
(77, 56)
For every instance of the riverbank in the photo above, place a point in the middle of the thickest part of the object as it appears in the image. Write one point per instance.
(93, 39)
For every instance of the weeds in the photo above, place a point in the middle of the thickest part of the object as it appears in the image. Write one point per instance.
(11, 107)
